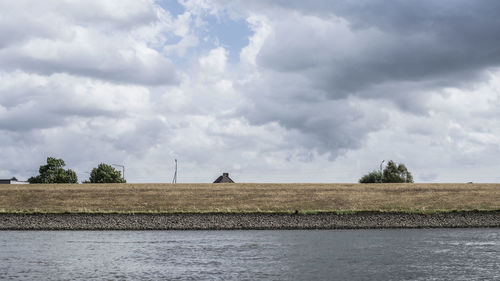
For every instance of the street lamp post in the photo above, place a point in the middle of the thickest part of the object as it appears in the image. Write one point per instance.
(123, 169)
(381, 174)
(81, 173)
(174, 180)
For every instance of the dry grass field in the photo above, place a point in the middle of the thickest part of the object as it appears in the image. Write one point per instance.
(196, 198)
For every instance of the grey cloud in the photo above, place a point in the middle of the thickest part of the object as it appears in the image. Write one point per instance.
(399, 15)
(30, 102)
(111, 67)
(41, 116)
(11, 33)
(82, 148)
(144, 135)
(320, 54)
(346, 80)
(22, 120)
(326, 126)
(434, 43)
(446, 52)
(21, 20)
(126, 16)
(90, 38)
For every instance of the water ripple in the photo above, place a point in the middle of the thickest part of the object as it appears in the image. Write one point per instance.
(423, 254)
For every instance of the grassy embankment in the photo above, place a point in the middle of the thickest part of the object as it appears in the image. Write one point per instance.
(238, 198)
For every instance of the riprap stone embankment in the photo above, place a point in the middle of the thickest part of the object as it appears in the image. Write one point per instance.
(224, 221)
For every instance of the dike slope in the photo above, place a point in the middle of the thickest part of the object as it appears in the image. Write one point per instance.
(247, 198)
(224, 221)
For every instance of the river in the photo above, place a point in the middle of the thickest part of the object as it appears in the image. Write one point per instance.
(397, 254)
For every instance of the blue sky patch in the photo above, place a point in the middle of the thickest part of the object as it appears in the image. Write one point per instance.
(219, 31)
(172, 6)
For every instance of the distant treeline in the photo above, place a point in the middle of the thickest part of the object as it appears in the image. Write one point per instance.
(54, 172)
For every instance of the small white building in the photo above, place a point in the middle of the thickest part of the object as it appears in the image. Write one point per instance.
(11, 181)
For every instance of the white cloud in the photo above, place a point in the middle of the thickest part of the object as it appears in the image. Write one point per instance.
(89, 38)
(322, 92)
(261, 30)
(215, 61)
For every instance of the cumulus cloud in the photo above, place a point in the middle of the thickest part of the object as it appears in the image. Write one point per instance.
(310, 59)
(31, 101)
(347, 48)
(323, 91)
(103, 40)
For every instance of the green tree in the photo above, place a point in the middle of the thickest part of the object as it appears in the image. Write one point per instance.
(393, 173)
(396, 173)
(371, 177)
(105, 173)
(54, 172)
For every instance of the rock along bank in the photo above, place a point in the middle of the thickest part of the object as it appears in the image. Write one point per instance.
(233, 221)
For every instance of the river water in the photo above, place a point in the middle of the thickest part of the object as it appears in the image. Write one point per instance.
(419, 254)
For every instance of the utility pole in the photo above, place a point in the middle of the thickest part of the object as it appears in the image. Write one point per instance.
(123, 169)
(81, 173)
(381, 173)
(175, 173)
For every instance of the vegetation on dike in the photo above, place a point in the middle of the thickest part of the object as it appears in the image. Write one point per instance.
(393, 173)
(54, 173)
(238, 198)
(105, 173)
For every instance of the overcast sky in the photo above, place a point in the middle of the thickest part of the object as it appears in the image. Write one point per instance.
(269, 91)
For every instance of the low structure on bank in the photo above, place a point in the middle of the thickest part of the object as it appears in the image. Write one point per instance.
(12, 181)
(224, 179)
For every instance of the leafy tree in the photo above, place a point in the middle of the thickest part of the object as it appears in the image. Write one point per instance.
(53, 172)
(105, 173)
(371, 177)
(396, 173)
(13, 179)
(393, 173)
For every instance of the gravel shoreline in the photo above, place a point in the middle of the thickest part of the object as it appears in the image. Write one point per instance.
(214, 221)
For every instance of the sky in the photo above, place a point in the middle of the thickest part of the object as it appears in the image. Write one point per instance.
(268, 91)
